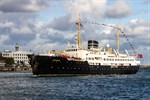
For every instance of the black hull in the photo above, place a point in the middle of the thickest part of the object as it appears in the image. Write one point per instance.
(59, 66)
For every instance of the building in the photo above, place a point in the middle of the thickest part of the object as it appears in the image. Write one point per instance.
(2, 63)
(19, 56)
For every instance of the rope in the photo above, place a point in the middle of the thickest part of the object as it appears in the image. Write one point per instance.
(90, 22)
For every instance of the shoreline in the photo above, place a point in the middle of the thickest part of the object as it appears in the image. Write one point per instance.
(14, 68)
(144, 66)
(29, 68)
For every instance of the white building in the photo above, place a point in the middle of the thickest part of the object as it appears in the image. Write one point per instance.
(19, 56)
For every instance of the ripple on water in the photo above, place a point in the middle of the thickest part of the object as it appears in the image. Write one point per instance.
(21, 85)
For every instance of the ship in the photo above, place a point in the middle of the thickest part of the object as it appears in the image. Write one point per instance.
(76, 60)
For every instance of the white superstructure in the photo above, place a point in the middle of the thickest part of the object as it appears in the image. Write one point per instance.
(98, 57)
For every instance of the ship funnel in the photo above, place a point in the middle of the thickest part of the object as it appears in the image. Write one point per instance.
(110, 50)
(92, 44)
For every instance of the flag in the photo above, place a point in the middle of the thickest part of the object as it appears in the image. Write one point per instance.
(140, 56)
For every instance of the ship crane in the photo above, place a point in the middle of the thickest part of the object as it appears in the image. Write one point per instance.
(118, 31)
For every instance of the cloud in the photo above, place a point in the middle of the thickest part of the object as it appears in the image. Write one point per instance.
(147, 1)
(54, 34)
(22, 39)
(137, 31)
(98, 9)
(63, 24)
(54, 38)
(137, 27)
(22, 30)
(18, 27)
(86, 8)
(18, 20)
(6, 24)
(119, 9)
(22, 6)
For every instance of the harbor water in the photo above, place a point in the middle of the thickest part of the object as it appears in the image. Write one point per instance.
(21, 85)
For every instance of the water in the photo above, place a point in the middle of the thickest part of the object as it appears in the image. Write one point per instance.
(22, 85)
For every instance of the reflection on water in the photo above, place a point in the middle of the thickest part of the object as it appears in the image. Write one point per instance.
(22, 85)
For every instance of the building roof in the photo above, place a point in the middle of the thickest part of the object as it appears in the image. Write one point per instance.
(22, 52)
(25, 52)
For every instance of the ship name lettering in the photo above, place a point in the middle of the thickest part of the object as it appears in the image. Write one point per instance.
(55, 60)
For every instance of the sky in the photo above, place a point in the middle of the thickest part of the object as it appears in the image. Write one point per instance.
(43, 25)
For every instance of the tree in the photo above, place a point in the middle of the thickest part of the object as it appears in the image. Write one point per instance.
(9, 61)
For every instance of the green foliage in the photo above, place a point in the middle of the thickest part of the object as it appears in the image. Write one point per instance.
(9, 61)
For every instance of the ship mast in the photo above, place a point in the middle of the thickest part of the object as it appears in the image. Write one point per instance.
(79, 35)
(118, 38)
